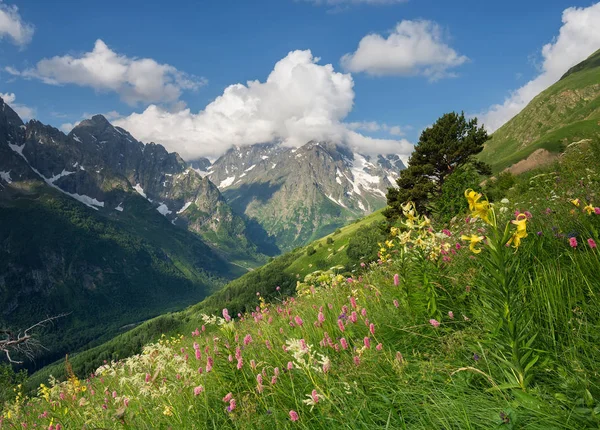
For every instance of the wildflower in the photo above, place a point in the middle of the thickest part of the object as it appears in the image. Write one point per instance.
(367, 342)
(548, 211)
(457, 246)
(209, 364)
(274, 380)
(294, 416)
(240, 363)
(363, 312)
(504, 201)
(451, 315)
(168, 411)
(588, 208)
(290, 365)
(379, 347)
(353, 302)
(396, 303)
(597, 211)
(447, 232)
(356, 359)
(228, 397)
(591, 243)
(399, 357)
(434, 322)
(344, 343)
(341, 325)
(247, 339)
(353, 317)
(475, 357)
(298, 320)
(478, 209)
(396, 279)
(521, 232)
(474, 239)
(226, 315)
(576, 202)
(573, 242)
(198, 390)
(372, 328)
(278, 288)
(232, 405)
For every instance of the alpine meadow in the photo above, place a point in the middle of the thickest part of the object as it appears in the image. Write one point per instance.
(397, 228)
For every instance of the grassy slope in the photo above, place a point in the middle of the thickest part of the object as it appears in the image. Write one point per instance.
(447, 377)
(105, 272)
(239, 295)
(566, 112)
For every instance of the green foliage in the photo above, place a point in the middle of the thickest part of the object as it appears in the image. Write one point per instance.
(310, 250)
(451, 201)
(329, 240)
(364, 244)
(10, 382)
(442, 148)
(497, 187)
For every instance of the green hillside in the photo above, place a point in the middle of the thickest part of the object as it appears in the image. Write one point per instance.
(238, 296)
(567, 112)
(448, 331)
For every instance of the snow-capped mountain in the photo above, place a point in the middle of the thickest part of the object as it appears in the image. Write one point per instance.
(298, 194)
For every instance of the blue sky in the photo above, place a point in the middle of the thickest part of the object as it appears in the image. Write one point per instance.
(429, 57)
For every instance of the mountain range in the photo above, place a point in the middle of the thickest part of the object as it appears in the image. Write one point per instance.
(105, 228)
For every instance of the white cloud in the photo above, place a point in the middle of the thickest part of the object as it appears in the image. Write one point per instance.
(300, 100)
(412, 48)
(578, 38)
(371, 126)
(12, 26)
(68, 126)
(134, 79)
(25, 112)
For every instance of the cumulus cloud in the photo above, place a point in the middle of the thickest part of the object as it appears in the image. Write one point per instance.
(412, 48)
(299, 101)
(13, 26)
(134, 79)
(579, 37)
(25, 112)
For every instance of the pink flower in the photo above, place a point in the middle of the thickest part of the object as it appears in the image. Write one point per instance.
(434, 322)
(367, 342)
(240, 363)
(232, 405)
(247, 339)
(353, 302)
(591, 243)
(278, 288)
(396, 303)
(274, 380)
(396, 279)
(321, 317)
(399, 357)
(379, 347)
(314, 396)
(341, 325)
(597, 211)
(327, 366)
(372, 328)
(344, 343)
(198, 390)
(362, 264)
(447, 232)
(298, 320)
(573, 242)
(294, 416)
(209, 364)
(148, 376)
(451, 315)
(228, 397)
(457, 246)
(198, 354)
(253, 364)
(528, 214)
(353, 317)
(356, 359)
(363, 312)
(226, 315)
(276, 371)
(290, 365)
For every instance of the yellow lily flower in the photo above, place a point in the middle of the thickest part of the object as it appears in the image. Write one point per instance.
(576, 202)
(521, 233)
(589, 208)
(474, 239)
(472, 197)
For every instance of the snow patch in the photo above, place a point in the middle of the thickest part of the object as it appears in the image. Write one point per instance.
(337, 202)
(360, 205)
(5, 176)
(264, 157)
(227, 182)
(140, 190)
(163, 209)
(250, 168)
(55, 178)
(120, 207)
(18, 149)
(187, 205)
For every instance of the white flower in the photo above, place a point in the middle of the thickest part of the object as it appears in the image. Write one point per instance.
(504, 201)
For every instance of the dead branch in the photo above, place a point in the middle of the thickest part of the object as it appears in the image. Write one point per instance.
(23, 342)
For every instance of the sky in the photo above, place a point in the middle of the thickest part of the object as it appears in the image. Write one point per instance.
(201, 76)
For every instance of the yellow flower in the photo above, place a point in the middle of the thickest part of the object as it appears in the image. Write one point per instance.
(520, 233)
(474, 239)
(472, 197)
(168, 411)
(576, 202)
(589, 209)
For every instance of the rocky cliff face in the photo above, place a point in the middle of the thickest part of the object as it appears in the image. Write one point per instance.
(299, 194)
